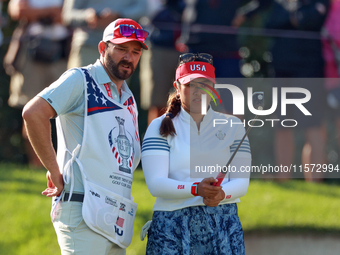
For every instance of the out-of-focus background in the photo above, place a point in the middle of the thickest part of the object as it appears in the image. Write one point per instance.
(251, 40)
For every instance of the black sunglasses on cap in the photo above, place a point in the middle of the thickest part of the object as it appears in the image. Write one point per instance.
(191, 57)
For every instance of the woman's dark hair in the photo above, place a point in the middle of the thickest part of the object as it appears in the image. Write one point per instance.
(174, 107)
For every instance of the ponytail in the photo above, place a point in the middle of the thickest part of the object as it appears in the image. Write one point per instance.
(174, 107)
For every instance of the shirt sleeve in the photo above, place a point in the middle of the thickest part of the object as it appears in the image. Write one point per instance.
(153, 142)
(66, 94)
(155, 164)
(237, 183)
(156, 173)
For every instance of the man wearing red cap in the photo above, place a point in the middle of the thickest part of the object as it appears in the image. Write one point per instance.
(90, 178)
(89, 18)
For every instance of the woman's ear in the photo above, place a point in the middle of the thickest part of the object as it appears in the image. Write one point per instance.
(175, 85)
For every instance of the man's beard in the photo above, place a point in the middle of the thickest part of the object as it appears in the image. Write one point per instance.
(113, 68)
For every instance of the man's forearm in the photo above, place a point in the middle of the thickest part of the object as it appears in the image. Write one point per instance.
(36, 115)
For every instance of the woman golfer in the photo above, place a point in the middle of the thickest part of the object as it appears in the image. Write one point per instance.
(182, 153)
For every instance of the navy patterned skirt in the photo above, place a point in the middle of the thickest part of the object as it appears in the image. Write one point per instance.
(196, 230)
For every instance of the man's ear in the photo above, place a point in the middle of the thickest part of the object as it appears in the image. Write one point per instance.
(101, 48)
(175, 85)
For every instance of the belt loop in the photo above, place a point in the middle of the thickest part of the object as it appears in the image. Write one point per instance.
(63, 196)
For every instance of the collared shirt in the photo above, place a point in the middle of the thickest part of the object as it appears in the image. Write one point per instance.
(66, 96)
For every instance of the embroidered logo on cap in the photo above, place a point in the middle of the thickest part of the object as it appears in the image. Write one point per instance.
(198, 68)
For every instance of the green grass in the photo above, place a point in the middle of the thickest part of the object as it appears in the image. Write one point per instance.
(293, 207)
(24, 213)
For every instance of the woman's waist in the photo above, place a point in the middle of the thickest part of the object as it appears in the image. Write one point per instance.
(194, 205)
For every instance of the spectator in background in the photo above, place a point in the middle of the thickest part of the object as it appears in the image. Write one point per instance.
(42, 53)
(299, 58)
(331, 54)
(158, 65)
(88, 18)
(223, 47)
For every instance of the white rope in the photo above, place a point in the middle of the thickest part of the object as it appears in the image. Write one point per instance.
(68, 169)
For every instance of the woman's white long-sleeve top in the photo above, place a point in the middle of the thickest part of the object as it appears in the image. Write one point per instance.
(172, 164)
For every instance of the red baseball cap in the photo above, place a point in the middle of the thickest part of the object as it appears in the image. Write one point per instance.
(193, 70)
(113, 32)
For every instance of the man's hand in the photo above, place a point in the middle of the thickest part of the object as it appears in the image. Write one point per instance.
(55, 185)
(212, 202)
(205, 188)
